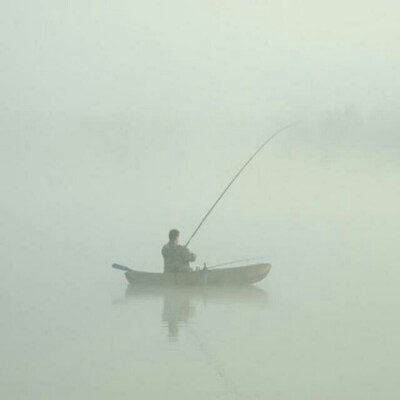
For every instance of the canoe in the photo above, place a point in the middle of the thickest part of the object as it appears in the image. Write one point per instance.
(244, 275)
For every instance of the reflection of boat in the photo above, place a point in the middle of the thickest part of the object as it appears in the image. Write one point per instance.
(231, 294)
(180, 303)
(245, 275)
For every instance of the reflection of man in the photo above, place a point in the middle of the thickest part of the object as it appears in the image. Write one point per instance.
(177, 310)
(176, 257)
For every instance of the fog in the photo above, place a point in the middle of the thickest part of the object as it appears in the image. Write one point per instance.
(121, 120)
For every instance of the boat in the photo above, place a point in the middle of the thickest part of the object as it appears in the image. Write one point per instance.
(244, 275)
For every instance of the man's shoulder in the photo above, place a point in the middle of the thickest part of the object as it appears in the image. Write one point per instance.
(165, 247)
(169, 246)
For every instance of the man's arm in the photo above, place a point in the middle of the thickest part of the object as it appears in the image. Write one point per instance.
(187, 255)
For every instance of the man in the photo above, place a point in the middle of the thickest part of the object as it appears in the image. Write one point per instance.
(176, 257)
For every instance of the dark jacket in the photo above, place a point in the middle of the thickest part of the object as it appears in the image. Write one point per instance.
(176, 257)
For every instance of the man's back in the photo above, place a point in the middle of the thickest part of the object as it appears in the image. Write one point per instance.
(176, 257)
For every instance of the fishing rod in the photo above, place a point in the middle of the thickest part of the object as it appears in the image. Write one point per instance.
(237, 175)
(232, 262)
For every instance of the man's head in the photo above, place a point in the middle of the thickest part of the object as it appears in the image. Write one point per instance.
(173, 235)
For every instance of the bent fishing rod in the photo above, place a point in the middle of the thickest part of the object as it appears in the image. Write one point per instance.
(237, 175)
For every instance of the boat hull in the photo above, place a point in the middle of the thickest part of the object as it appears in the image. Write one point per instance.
(245, 275)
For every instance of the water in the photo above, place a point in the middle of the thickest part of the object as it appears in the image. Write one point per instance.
(321, 325)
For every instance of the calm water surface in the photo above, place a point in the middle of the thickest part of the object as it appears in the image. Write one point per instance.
(322, 328)
(322, 325)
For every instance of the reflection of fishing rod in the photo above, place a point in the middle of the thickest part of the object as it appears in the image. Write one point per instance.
(237, 175)
(232, 262)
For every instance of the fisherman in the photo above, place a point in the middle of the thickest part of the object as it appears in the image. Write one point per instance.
(176, 257)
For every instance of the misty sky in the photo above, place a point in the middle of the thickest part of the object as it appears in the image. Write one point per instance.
(145, 110)
(178, 59)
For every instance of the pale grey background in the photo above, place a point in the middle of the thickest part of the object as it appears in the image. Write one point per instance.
(121, 120)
